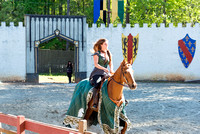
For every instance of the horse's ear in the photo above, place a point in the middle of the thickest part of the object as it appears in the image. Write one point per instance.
(123, 62)
(131, 61)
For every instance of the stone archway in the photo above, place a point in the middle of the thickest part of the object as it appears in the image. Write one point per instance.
(40, 28)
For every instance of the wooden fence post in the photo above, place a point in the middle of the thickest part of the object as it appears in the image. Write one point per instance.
(0, 127)
(20, 124)
(1, 124)
(82, 126)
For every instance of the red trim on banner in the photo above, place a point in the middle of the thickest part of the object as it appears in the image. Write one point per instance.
(130, 47)
(185, 50)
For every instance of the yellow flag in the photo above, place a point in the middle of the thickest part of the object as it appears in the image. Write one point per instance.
(114, 10)
(102, 11)
(104, 4)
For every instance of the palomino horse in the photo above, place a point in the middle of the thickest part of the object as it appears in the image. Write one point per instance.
(114, 91)
(124, 74)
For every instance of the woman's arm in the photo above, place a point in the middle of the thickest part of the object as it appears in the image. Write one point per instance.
(96, 59)
(111, 67)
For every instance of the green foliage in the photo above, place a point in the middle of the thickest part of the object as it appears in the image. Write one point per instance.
(141, 11)
(56, 44)
(10, 12)
(165, 11)
(53, 74)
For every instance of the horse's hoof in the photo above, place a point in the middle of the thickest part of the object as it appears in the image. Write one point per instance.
(68, 125)
(126, 102)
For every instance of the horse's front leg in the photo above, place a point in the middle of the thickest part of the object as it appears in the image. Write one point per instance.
(123, 131)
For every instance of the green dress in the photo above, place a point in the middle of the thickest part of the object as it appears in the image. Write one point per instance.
(102, 62)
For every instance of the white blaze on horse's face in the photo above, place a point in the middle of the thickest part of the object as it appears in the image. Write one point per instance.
(128, 76)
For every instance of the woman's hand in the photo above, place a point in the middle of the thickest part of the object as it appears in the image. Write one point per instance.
(112, 72)
(106, 70)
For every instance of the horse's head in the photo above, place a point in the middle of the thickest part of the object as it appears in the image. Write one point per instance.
(127, 72)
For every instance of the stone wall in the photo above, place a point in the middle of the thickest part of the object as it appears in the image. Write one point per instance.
(12, 52)
(157, 58)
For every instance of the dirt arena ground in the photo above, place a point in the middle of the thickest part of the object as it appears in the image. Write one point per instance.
(154, 108)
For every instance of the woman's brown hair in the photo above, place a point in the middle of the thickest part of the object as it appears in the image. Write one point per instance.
(97, 47)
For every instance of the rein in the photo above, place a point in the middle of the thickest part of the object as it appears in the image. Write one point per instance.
(120, 77)
(118, 82)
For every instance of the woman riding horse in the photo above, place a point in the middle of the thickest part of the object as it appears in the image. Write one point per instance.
(111, 112)
(102, 58)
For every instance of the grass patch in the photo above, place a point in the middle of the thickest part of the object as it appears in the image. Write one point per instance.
(53, 74)
(55, 78)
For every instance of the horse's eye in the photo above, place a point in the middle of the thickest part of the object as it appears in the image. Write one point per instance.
(125, 72)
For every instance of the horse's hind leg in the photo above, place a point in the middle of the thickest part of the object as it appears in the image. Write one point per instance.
(89, 110)
(88, 113)
(124, 124)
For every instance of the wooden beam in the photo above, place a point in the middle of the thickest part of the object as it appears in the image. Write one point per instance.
(43, 128)
(7, 131)
(82, 126)
(20, 124)
(8, 119)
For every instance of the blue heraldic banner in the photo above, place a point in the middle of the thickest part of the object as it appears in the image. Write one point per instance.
(96, 10)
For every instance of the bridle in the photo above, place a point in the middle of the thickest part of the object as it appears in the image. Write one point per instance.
(125, 85)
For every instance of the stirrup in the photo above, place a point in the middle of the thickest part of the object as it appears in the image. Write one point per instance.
(95, 108)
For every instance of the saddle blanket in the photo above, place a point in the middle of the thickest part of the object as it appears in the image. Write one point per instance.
(109, 113)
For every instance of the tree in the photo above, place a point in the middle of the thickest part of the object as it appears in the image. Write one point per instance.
(137, 11)
(167, 11)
